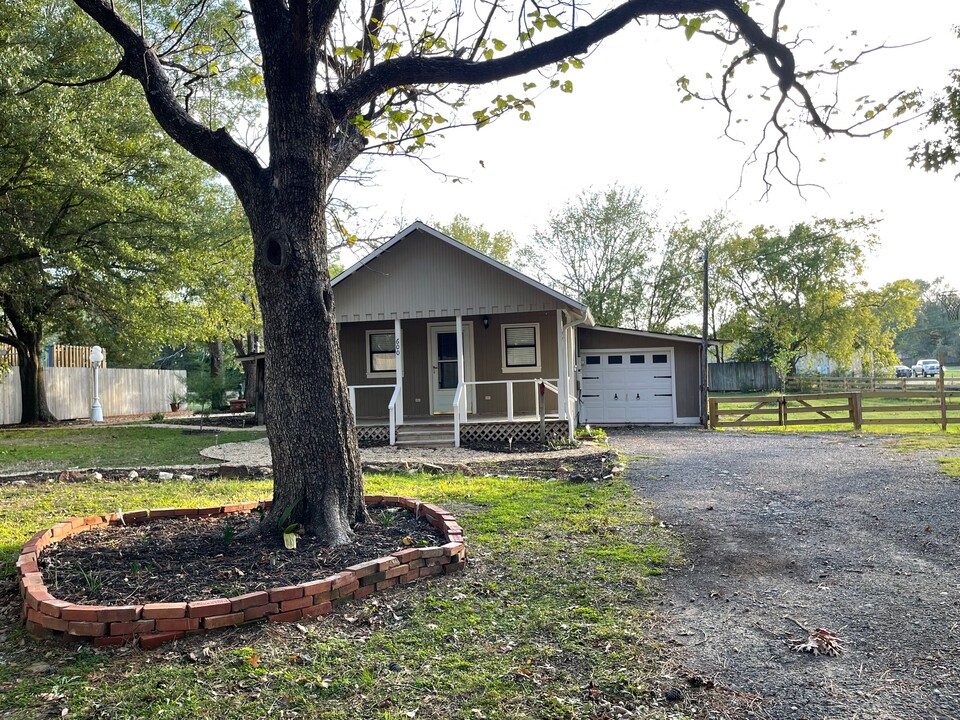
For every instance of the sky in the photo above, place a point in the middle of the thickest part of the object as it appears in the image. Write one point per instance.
(624, 123)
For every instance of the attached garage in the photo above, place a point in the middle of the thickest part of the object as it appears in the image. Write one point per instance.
(627, 387)
(635, 377)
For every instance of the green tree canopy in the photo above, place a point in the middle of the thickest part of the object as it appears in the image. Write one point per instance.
(498, 245)
(801, 292)
(104, 223)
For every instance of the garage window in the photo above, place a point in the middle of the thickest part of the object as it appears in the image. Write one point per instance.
(381, 354)
(615, 360)
(660, 359)
(521, 347)
(637, 359)
(593, 359)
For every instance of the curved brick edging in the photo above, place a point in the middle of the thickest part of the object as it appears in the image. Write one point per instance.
(152, 624)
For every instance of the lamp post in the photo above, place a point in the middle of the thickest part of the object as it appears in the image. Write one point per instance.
(96, 358)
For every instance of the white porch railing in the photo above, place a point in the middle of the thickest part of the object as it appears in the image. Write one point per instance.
(391, 406)
(460, 400)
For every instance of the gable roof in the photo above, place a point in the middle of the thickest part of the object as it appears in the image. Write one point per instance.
(437, 262)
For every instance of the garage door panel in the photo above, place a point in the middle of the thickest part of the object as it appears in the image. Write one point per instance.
(627, 387)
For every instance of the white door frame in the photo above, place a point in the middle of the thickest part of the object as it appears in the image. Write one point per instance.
(469, 368)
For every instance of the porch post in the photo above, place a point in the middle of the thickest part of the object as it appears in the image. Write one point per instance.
(461, 372)
(398, 343)
(563, 382)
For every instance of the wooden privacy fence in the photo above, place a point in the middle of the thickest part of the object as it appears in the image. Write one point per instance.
(855, 409)
(742, 377)
(63, 356)
(70, 392)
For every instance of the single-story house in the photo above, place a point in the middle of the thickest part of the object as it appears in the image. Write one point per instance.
(441, 343)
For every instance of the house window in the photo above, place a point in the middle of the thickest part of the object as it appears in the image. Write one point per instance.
(521, 347)
(381, 353)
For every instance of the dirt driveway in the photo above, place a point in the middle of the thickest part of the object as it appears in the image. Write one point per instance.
(835, 532)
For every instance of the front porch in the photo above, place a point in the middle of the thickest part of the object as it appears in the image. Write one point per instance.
(462, 379)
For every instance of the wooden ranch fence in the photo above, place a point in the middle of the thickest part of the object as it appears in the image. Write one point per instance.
(891, 408)
(821, 384)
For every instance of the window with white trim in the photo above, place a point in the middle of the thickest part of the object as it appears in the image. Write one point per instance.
(381, 353)
(521, 347)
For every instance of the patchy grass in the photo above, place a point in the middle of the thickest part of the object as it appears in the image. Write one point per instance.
(551, 619)
(950, 466)
(106, 446)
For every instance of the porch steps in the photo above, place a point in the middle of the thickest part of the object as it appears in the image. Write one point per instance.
(425, 435)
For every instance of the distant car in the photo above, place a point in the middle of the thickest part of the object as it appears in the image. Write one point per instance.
(926, 368)
(903, 371)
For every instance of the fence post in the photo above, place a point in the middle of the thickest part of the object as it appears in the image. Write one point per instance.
(782, 410)
(712, 402)
(942, 389)
(856, 410)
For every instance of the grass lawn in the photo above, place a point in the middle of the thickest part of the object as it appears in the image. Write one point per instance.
(552, 618)
(106, 446)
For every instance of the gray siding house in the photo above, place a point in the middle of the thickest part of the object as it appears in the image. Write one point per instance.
(443, 344)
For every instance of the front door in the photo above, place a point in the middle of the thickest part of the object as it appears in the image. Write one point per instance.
(444, 372)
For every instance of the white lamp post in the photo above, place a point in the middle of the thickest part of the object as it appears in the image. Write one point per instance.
(96, 357)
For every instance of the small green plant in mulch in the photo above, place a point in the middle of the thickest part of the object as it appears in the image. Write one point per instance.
(590, 433)
(554, 617)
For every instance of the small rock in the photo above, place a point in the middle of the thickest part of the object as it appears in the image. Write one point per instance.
(431, 469)
(133, 475)
(96, 475)
(185, 477)
(39, 668)
(19, 482)
(673, 694)
(70, 476)
(165, 475)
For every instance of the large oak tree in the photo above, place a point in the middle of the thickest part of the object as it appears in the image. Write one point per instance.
(342, 77)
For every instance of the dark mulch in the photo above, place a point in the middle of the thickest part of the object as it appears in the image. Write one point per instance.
(185, 559)
(238, 420)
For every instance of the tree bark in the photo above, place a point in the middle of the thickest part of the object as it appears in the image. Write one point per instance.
(33, 394)
(316, 458)
(215, 347)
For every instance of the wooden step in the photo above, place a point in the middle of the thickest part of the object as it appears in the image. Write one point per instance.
(425, 436)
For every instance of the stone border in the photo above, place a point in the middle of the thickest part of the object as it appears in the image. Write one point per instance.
(153, 624)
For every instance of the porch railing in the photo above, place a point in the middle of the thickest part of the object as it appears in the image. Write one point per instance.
(460, 399)
(391, 406)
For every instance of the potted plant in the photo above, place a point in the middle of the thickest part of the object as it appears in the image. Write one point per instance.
(175, 400)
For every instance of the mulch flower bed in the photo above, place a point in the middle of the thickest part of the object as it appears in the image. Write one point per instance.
(187, 559)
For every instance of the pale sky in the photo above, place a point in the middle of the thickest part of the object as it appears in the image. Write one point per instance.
(624, 123)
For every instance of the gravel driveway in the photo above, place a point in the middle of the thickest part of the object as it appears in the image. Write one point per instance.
(835, 532)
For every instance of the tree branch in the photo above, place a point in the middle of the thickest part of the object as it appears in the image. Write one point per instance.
(140, 61)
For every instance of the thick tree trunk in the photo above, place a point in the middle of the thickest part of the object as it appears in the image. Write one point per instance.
(316, 460)
(33, 405)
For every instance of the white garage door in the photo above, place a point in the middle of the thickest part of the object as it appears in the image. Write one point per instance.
(634, 386)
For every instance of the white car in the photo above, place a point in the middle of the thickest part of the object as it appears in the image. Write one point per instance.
(926, 368)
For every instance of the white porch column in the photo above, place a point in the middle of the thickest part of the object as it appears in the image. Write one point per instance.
(563, 382)
(398, 344)
(461, 371)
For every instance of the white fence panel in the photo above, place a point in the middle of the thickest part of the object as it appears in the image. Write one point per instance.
(70, 392)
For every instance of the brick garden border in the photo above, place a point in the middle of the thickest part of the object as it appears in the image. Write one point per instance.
(153, 624)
